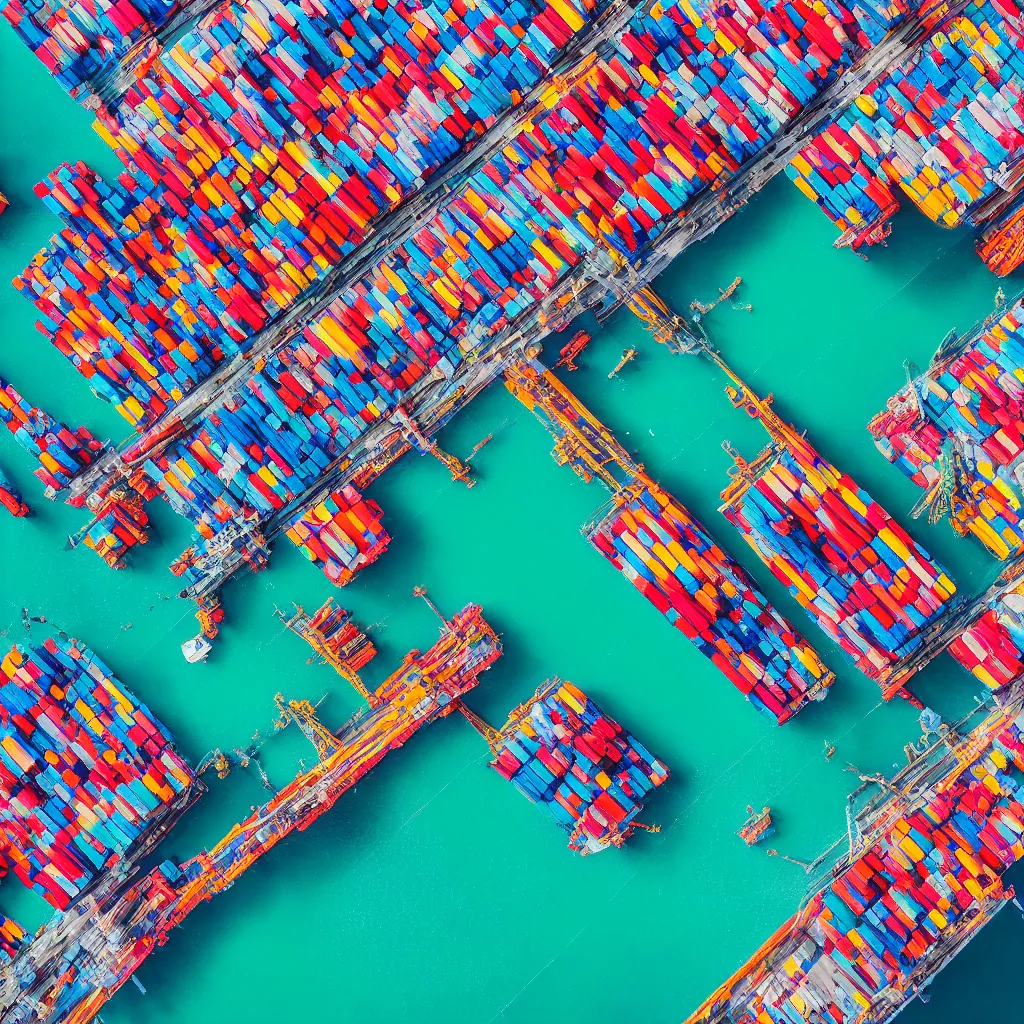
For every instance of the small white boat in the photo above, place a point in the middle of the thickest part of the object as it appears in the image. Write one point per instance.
(196, 649)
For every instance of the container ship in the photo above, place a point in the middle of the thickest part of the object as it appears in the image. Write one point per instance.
(87, 773)
(957, 430)
(563, 753)
(870, 587)
(78, 961)
(924, 874)
(944, 128)
(674, 562)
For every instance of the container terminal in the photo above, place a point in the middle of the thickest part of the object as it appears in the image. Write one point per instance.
(923, 873)
(957, 430)
(870, 587)
(253, 293)
(943, 127)
(80, 958)
(954, 812)
(673, 561)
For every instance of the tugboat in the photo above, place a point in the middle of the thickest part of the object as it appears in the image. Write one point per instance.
(577, 343)
(197, 649)
(757, 827)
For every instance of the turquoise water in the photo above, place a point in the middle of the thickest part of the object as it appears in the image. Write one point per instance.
(434, 891)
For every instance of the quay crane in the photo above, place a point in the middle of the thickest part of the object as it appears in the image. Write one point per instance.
(337, 640)
(303, 714)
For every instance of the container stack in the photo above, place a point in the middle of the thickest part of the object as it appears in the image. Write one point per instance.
(61, 453)
(336, 633)
(85, 770)
(562, 752)
(672, 560)
(367, 104)
(10, 498)
(831, 172)
(867, 584)
(931, 879)
(81, 42)
(959, 427)
(945, 126)
(992, 648)
(1001, 243)
(12, 938)
(120, 525)
(341, 534)
(214, 245)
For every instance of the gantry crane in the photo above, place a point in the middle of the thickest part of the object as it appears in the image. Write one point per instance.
(303, 714)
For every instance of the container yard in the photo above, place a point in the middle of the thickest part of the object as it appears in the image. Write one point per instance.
(673, 561)
(86, 772)
(564, 754)
(290, 241)
(921, 879)
(956, 431)
(72, 968)
(943, 128)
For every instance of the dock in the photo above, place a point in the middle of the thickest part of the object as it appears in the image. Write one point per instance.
(858, 574)
(260, 393)
(111, 933)
(922, 876)
(957, 430)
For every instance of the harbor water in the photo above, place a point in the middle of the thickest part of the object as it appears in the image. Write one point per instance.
(433, 891)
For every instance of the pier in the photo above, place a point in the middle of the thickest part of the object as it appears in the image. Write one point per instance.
(81, 959)
(922, 876)
(672, 559)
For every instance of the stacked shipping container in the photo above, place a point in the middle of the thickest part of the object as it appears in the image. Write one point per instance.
(12, 938)
(867, 584)
(85, 771)
(945, 127)
(562, 752)
(672, 560)
(920, 885)
(681, 101)
(80, 42)
(968, 407)
(60, 452)
(992, 648)
(341, 534)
